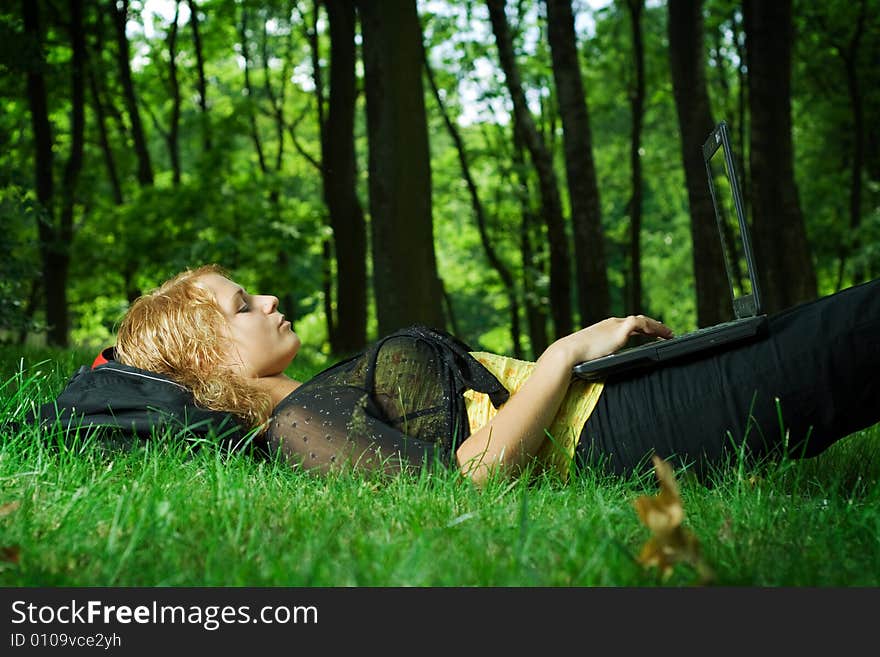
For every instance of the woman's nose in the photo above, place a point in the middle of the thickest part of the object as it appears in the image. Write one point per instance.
(270, 303)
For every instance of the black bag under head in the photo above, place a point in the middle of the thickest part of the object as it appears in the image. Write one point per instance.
(134, 402)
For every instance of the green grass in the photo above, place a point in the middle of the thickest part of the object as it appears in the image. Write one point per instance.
(79, 513)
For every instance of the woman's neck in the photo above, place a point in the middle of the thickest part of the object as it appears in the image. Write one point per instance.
(278, 387)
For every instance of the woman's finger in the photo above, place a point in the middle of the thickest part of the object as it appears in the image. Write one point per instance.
(649, 326)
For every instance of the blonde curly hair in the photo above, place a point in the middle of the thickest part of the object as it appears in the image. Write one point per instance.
(179, 330)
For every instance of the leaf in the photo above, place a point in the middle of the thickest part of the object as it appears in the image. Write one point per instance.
(10, 554)
(670, 542)
(9, 507)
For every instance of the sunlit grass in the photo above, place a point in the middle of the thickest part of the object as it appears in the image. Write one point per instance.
(81, 513)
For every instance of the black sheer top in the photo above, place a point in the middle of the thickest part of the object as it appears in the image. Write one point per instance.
(398, 405)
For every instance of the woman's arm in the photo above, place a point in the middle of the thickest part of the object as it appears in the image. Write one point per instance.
(516, 433)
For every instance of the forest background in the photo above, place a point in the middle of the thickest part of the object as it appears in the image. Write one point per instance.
(509, 171)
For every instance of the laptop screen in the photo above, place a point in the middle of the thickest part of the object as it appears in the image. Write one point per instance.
(728, 207)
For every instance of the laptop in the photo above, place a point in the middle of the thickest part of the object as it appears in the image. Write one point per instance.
(749, 320)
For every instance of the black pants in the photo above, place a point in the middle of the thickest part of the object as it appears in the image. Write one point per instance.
(817, 368)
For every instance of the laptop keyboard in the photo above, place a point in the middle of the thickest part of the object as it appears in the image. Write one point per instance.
(706, 329)
(690, 335)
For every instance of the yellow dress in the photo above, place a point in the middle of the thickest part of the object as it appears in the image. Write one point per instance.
(557, 451)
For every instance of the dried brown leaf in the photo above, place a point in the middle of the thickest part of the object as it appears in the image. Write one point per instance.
(10, 554)
(670, 542)
(9, 507)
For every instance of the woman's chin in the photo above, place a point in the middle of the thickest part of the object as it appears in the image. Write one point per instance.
(294, 350)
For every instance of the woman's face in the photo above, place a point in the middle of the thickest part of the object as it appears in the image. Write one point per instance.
(262, 342)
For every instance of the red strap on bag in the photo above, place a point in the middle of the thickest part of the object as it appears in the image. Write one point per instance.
(106, 355)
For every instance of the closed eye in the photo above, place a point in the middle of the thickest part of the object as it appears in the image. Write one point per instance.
(245, 307)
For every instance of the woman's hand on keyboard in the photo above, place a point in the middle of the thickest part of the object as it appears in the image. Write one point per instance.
(608, 336)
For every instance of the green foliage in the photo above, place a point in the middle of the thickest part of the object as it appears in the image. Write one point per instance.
(831, 68)
(267, 223)
(19, 262)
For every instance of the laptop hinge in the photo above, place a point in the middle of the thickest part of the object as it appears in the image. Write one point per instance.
(745, 306)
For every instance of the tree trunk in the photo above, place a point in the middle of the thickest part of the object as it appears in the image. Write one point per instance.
(405, 279)
(119, 11)
(327, 252)
(200, 69)
(741, 109)
(687, 65)
(532, 262)
(560, 267)
(30, 307)
(536, 317)
(850, 56)
(43, 176)
(104, 106)
(55, 238)
(174, 127)
(276, 103)
(340, 183)
(594, 302)
(494, 260)
(97, 87)
(855, 195)
(106, 150)
(40, 125)
(72, 169)
(785, 267)
(637, 112)
(252, 116)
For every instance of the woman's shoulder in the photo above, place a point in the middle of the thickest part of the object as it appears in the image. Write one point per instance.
(432, 354)
(512, 372)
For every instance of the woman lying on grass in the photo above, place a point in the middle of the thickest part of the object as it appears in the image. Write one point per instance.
(420, 395)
